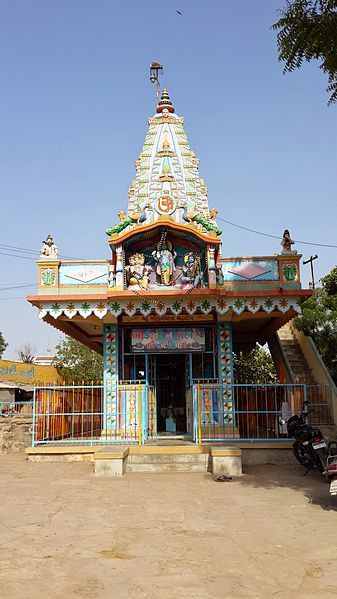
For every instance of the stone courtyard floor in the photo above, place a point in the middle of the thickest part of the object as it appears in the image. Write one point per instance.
(66, 534)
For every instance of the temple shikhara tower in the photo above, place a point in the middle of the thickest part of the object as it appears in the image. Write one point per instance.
(167, 309)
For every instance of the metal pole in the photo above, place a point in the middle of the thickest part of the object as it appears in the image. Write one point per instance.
(311, 260)
(34, 418)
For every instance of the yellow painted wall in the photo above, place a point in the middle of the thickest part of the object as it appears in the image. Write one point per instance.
(29, 374)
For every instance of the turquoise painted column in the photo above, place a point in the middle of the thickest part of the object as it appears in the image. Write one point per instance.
(226, 376)
(110, 346)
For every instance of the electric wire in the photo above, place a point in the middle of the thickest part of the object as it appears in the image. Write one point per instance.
(2, 299)
(18, 287)
(19, 250)
(17, 256)
(228, 222)
(13, 284)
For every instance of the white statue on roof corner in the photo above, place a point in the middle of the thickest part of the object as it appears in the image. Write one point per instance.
(49, 250)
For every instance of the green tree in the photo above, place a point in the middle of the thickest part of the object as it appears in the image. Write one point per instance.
(76, 363)
(307, 30)
(319, 320)
(3, 344)
(255, 367)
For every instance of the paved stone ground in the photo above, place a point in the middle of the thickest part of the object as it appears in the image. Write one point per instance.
(65, 534)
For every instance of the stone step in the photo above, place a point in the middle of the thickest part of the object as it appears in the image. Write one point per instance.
(168, 458)
(298, 366)
(115, 461)
(301, 367)
(179, 466)
(303, 371)
(297, 362)
(300, 363)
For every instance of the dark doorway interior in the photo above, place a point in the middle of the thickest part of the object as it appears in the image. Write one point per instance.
(171, 390)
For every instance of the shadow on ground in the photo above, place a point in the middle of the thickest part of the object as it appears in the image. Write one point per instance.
(313, 485)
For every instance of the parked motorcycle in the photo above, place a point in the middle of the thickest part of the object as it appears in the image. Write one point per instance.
(331, 467)
(310, 448)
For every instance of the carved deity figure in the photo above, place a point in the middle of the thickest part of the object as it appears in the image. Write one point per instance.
(49, 250)
(286, 243)
(137, 271)
(164, 258)
(213, 213)
(207, 408)
(111, 275)
(191, 269)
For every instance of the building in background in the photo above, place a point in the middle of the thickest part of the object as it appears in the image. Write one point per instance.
(44, 360)
(28, 374)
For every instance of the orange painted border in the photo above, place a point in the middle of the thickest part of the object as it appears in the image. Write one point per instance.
(214, 293)
(116, 240)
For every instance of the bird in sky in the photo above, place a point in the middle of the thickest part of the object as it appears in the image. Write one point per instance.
(179, 13)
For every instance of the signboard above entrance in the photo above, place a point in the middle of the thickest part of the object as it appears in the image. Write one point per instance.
(168, 340)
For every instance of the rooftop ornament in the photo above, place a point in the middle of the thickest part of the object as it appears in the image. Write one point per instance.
(286, 243)
(165, 103)
(49, 250)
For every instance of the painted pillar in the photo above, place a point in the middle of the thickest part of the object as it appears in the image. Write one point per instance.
(119, 280)
(226, 376)
(49, 273)
(110, 346)
(211, 267)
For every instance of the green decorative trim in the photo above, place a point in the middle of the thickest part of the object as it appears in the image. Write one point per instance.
(173, 306)
(206, 223)
(110, 375)
(123, 224)
(290, 272)
(226, 370)
(48, 276)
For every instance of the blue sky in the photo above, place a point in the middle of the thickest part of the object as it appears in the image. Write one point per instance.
(75, 97)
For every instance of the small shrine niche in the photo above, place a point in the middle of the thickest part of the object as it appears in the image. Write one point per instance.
(165, 261)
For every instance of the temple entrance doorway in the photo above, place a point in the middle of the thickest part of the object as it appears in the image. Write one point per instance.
(171, 394)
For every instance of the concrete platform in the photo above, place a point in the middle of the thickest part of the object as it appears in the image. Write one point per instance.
(219, 458)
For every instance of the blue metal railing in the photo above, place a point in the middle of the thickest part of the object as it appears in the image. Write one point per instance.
(86, 414)
(16, 408)
(254, 412)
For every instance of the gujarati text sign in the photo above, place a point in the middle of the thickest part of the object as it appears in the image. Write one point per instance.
(168, 340)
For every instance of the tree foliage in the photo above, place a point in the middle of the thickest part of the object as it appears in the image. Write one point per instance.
(77, 363)
(307, 30)
(319, 320)
(255, 367)
(3, 344)
(26, 353)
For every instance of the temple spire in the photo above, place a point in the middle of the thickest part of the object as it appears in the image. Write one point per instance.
(167, 182)
(165, 102)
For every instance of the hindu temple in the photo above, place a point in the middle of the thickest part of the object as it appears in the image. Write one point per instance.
(167, 308)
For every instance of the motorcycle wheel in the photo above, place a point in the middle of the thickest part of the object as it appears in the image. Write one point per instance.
(319, 462)
(302, 454)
